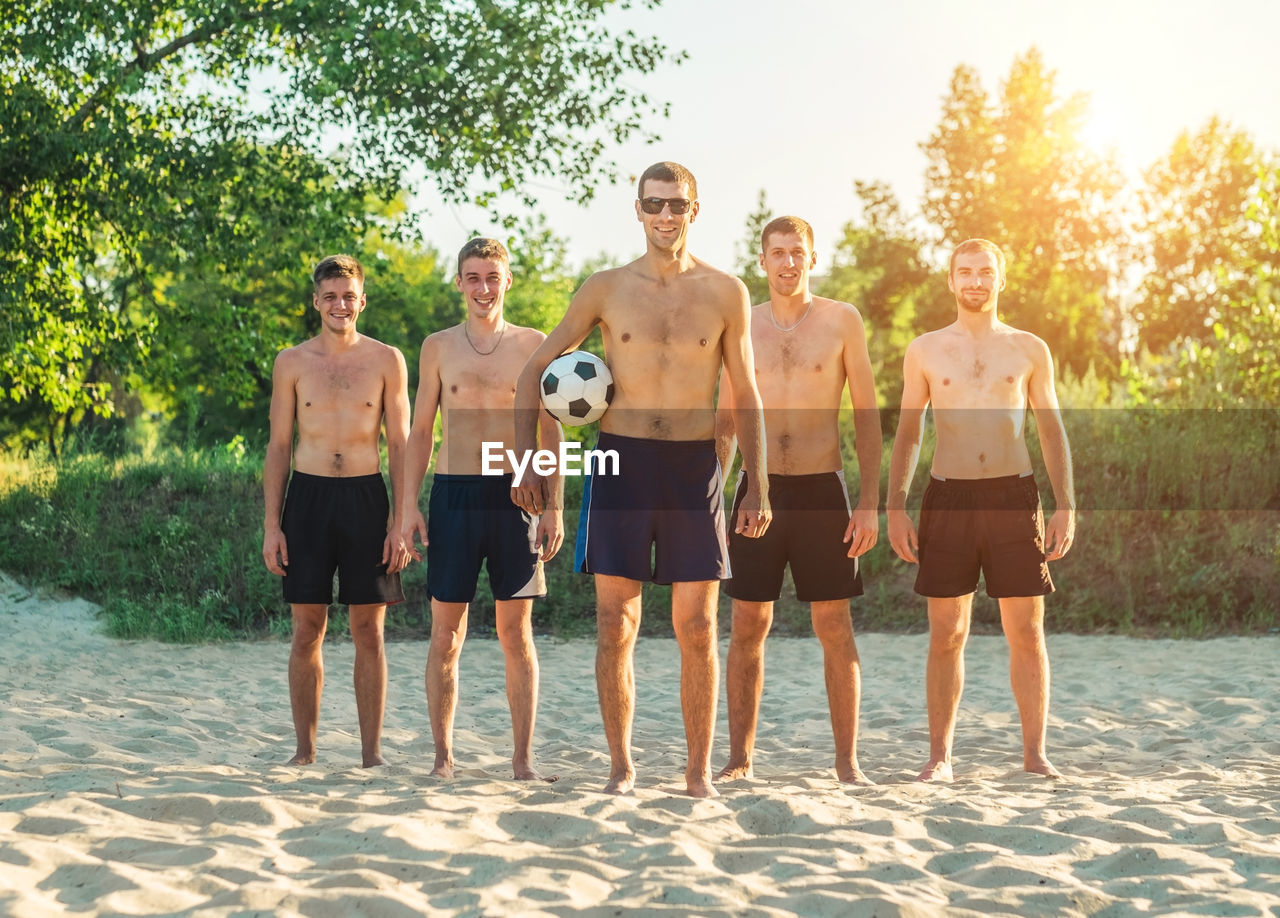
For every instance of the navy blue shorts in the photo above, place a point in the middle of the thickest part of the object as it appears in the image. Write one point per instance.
(992, 525)
(337, 524)
(810, 516)
(660, 519)
(471, 519)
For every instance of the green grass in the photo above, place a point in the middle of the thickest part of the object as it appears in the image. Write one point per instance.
(1178, 535)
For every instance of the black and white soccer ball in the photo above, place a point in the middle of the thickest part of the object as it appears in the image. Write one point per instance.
(576, 388)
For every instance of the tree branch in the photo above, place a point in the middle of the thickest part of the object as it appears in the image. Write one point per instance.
(145, 60)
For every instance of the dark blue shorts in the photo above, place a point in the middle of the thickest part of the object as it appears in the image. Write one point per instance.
(810, 516)
(990, 525)
(471, 519)
(660, 519)
(337, 524)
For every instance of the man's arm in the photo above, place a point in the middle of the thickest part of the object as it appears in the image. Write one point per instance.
(550, 534)
(419, 445)
(395, 419)
(864, 522)
(1060, 531)
(531, 492)
(906, 453)
(754, 513)
(726, 433)
(275, 467)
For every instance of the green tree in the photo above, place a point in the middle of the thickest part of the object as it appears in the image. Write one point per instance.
(1199, 220)
(147, 143)
(747, 254)
(1014, 170)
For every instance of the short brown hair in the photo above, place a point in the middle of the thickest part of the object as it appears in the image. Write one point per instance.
(484, 247)
(977, 245)
(336, 266)
(787, 225)
(667, 171)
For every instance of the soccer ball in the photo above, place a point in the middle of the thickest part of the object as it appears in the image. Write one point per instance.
(576, 388)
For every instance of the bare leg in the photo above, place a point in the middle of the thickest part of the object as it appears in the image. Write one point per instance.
(515, 633)
(448, 631)
(1023, 622)
(370, 679)
(944, 679)
(617, 623)
(306, 677)
(693, 614)
(744, 682)
(834, 628)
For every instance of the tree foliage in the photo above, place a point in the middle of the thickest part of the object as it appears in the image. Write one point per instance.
(155, 149)
(748, 249)
(1199, 226)
(1014, 170)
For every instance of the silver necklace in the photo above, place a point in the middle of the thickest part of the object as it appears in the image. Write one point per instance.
(774, 319)
(473, 344)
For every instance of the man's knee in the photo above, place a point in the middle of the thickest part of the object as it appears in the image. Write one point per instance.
(751, 621)
(309, 622)
(366, 623)
(514, 624)
(832, 623)
(949, 623)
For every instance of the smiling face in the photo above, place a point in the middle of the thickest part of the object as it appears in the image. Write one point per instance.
(483, 283)
(665, 231)
(339, 300)
(787, 260)
(975, 280)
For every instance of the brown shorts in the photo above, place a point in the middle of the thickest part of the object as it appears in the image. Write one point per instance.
(990, 525)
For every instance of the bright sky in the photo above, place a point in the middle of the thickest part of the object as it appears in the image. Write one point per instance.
(801, 97)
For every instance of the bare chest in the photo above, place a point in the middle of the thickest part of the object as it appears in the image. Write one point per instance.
(796, 366)
(472, 380)
(966, 376)
(329, 384)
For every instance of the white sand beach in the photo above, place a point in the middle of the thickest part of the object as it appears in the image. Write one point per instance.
(139, 778)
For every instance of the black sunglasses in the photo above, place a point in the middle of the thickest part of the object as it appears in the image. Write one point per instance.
(654, 205)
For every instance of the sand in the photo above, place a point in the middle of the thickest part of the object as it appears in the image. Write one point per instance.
(143, 779)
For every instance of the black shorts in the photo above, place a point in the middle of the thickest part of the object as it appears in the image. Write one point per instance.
(661, 518)
(810, 516)
(337, 524)
(470, 519)
(992, 525)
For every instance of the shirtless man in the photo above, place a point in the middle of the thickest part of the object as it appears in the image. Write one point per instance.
(670, 321)
(339, 389)
(981, 509)
(468, 374)
(807, 349)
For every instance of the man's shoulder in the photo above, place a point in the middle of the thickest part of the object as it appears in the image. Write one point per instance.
(1028, 341)
(379, 349)
(930, 339)
(837, 310)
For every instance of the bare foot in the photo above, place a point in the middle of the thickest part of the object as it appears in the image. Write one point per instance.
(1039, 765)
(936, 772)
(443, 769)
(700, 786)
(852, 774)
(302, 758)
(372, 761)
(732, 772)
(529, 773)
(621, 783)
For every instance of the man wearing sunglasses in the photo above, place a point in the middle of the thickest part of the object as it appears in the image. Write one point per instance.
(670, 322)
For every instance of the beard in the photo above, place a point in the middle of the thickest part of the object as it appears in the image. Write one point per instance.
(974, 303)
